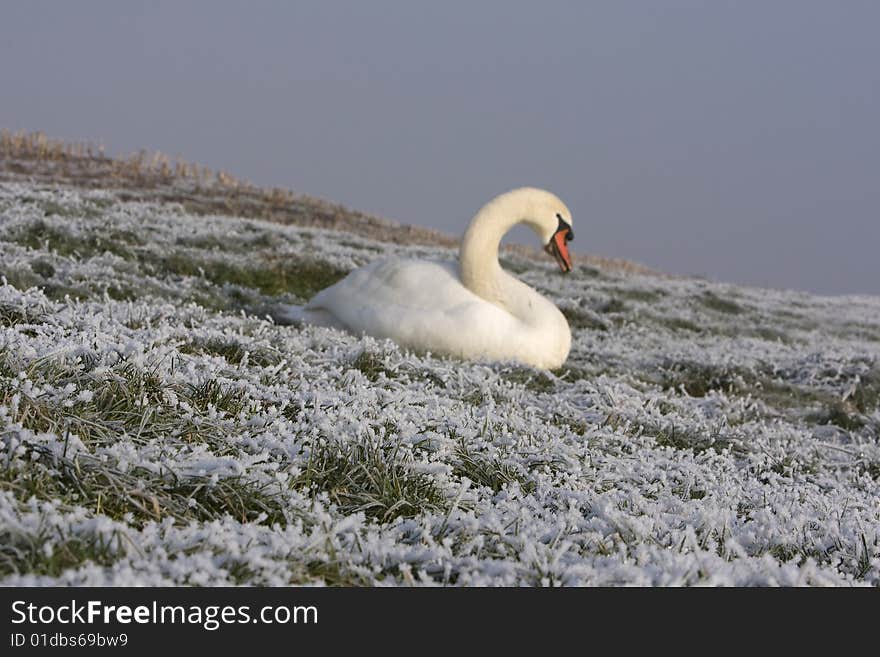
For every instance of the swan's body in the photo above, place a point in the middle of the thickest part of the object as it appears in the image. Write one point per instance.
(472, 309)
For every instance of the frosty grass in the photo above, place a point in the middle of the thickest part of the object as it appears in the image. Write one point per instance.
(157, 427)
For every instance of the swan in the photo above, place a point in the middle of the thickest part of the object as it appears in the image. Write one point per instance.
(473, 309)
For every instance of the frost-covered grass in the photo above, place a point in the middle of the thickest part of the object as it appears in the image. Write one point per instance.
(157, 427)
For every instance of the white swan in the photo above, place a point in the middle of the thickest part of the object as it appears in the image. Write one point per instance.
(472, 309)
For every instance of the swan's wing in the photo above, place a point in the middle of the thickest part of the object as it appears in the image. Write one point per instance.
(417, 303)
(410, 284)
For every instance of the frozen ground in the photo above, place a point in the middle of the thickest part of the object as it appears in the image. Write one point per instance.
(156, 427)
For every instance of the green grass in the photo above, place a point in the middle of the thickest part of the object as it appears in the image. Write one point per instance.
(232, 350)
(490, 472)
(713, 302)
(866, 391)
(475, 397)
(327, 573)
(678, 438)
(137, 496)
(770, 334)
(840, 414)
(573, 424)
(611, 306)
(422, 375)
(11, 315)
(371, 365)
(266, 273)
(42, 274)
(21, 278)
(27, 554)
(40, 235)
(698, 379)
(870, 468)
(534, 380)
(640, 294)
(126, 400)
(270, 276)
(212, 394)
(678, 324)
(786, 398)
(43, 268)
(89, 209)
(583, 320)
(369, 477)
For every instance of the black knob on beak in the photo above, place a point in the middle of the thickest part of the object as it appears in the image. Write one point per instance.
(565, 226)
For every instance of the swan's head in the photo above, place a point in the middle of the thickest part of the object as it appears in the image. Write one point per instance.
(551, 220)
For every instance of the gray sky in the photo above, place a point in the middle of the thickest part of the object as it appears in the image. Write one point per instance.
(736, 140)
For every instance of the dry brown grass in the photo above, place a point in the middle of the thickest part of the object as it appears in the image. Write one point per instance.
(156, 177)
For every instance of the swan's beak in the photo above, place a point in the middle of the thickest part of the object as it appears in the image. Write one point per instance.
(558, 246)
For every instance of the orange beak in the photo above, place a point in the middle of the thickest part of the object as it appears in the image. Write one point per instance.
(558, 248)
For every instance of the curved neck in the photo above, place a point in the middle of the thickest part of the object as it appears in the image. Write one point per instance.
(478, 256)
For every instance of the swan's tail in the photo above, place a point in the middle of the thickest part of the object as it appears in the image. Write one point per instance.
(285, 314)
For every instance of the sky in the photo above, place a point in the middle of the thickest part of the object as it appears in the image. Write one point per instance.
(733, 140)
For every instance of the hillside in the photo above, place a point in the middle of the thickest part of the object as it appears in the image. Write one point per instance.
(34, 158)
(158, 427)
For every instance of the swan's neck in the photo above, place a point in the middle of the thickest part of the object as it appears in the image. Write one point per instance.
(478, 257)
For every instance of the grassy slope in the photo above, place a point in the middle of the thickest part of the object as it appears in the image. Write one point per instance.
(157, 428)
